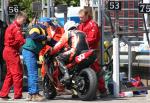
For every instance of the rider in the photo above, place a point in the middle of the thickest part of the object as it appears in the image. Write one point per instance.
(74, 41)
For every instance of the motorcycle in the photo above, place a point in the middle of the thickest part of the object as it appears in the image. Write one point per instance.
(83, 79)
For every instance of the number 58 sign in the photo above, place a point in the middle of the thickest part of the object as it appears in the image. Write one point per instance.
(12, 10)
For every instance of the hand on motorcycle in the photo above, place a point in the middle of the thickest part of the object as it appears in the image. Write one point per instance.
(41, 59)
(48, 38)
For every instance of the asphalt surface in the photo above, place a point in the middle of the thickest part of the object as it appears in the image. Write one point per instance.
(68, 99)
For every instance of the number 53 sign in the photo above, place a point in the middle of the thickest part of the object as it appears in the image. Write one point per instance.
(114, 5)
(12, 10)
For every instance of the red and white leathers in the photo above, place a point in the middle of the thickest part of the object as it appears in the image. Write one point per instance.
(90, 28)
(74, 41)
(13, 41)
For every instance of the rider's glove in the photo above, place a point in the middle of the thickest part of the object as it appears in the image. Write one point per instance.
(41, 59)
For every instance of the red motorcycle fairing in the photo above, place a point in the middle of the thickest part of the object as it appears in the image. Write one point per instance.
(70, 65)
(54, 77)
(80, 58)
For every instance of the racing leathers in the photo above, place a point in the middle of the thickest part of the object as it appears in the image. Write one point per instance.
(74, 41)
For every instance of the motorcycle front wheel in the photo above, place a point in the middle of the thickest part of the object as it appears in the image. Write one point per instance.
(49, 90)
(87, 84)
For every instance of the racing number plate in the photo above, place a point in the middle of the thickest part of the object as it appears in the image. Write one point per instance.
(12, 10)
(114, 5)
(144, 8)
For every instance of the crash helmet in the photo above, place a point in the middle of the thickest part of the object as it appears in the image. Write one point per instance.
(70, 25)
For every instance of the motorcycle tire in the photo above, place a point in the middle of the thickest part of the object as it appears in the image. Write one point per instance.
(88, 85)
(49, 90)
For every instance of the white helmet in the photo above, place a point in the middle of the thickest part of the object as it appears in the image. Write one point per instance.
(69, 24)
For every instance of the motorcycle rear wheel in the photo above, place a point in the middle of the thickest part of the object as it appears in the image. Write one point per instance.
(87, 84)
